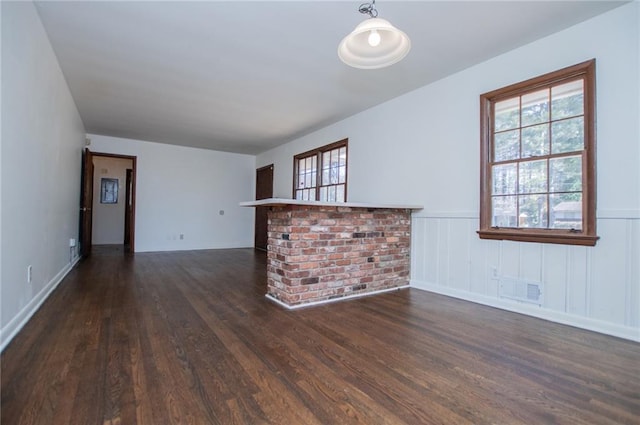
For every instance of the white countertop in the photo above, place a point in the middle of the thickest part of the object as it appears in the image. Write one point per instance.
(281, 202)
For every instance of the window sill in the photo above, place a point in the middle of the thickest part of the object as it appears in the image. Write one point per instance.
(563, 237)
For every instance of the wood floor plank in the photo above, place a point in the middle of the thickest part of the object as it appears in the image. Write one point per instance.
(189, 338)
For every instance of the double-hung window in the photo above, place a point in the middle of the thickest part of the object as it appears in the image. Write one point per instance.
(321, 174)
(538, 174)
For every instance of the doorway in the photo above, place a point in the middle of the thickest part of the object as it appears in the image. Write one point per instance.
(107, 202)
(264, 189)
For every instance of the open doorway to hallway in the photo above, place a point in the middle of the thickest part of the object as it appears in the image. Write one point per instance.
(108, 202)
(111, 187)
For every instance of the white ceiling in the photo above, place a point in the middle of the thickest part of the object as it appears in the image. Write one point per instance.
(245, 76)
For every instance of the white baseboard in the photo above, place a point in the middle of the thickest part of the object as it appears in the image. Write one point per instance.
(607, 328)
(11, 329)
(333, 300)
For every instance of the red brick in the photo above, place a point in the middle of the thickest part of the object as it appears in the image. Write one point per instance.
(321, 248)
(309, 295)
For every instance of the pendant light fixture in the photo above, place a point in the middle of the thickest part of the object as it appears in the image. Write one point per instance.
(375, 43)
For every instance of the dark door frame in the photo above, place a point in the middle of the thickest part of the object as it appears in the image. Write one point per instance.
(264, 189)
(128, 216)
(86, 213)
(86, 203)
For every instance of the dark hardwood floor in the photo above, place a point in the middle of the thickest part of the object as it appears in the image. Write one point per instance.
(189, 338)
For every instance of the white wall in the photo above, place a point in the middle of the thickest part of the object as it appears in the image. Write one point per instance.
(182, 190)
(108, 219)
(42, 138)
(423, 148)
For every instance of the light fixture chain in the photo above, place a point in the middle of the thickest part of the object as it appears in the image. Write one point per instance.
(369, 9)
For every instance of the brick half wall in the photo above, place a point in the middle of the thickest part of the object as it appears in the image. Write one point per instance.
(318, 253)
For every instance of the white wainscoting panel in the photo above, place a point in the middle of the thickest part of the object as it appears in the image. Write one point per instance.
(596, 288)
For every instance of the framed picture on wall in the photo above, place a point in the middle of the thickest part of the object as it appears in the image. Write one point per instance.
(108, 191)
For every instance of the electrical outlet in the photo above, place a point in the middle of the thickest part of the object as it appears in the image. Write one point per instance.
(181, 236)
(494, 272)
(29, 273)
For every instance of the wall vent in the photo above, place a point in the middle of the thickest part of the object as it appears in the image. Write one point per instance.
(522, 290)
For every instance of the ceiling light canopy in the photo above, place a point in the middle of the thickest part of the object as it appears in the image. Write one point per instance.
(374, 43)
